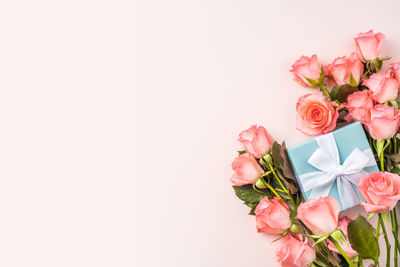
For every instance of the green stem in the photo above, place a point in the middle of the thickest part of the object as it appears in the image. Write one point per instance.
(378, 229)
(382, 162)
(360, 262)
(351, 264)
(395, 144)
(394, 226)
(386, 241)
(321, 263)
(323, 258)
(283, 187)
(271, 188)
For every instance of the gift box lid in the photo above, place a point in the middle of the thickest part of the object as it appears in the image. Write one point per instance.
(347, 139)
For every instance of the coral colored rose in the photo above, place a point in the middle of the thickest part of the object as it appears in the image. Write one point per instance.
(396, 71)
(295, 252)
(369, 45)
(315, 115)
(342, 68)
(343, 223)
(256, 141)
(383, 86)
(306, 67)
(383, 123)
(358, 104)
(381, 190)
(247, 170)
(320, 215)
(272, 216)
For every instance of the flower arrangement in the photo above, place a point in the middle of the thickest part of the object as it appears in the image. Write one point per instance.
(353, 93)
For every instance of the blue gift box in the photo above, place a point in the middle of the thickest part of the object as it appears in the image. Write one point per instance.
(348, 139)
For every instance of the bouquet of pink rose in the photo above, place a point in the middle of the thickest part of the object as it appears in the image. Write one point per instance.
(350, 89)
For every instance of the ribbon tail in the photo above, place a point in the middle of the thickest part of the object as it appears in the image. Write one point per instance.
(347, 195)
(323, 186)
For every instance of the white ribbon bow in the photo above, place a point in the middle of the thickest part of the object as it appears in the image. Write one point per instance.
(326, 159)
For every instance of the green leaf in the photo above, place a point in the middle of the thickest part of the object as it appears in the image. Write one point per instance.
(362, 238)
(334, 92)
(321, 75)
(339, 236)
(353, 81)
(312, 81)
(241, 152)
(322, 239)
(395, 170)
(287, 166)
(250, 196)
(276, 155)
(344, 91)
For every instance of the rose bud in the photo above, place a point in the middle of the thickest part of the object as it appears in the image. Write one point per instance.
(383, 86)
(315, 115)
(381, 190)
(294, 251)
(320, 215)
(256, 141)
(247, 170)
(342, 68)
(369, 45)
(272, 216)
(306, 67)
(383, 123)
(342, 225)
(358, 104)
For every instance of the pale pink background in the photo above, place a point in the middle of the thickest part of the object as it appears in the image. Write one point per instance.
(209, 70)
(119, 122)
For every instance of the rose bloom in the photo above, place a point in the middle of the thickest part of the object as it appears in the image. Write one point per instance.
(381, 190)
(358, 104)
(369, 45)
(247, 170)
(295, 252)
(320, 215)
(396, 71)
(272, 216)
(342, 68)
(343, 223)
(383, 86)
(256, 141)
(315, 115)
(306, 67)
(383, 123)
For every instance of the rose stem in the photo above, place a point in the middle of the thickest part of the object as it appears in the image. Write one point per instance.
(386, 241)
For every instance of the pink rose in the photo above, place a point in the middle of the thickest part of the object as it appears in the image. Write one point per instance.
(358, 104)
(383, 123)
(247, 170)
(306, 67)
(343, 223)
(295, 252)
(342, 68)
(381, 190)
(396, 71)
(272, 216)
(315, 115)
(256, 141)
(383, 86)
(369, 45)
(320, 215)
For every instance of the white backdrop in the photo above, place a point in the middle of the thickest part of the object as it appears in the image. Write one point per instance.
(119, 122)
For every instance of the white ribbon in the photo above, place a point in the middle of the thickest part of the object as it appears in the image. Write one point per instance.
(326, 159)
